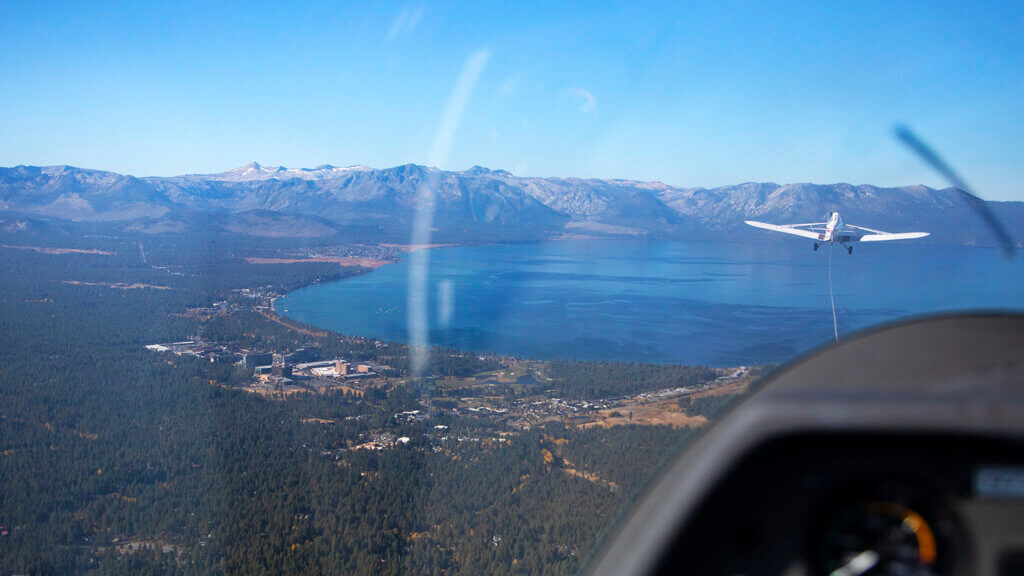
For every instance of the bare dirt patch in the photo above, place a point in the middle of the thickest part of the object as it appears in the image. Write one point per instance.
(117, 285)
(274, 394)
(663, 413)
(316, 421)
(46, 250)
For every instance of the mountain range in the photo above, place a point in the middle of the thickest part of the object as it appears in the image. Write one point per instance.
(475, 205)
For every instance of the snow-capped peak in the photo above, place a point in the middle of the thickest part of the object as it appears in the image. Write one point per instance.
(256, 171)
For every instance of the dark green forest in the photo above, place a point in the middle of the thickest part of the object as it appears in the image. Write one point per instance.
(114, 459)
(707, 406)
(590, 380)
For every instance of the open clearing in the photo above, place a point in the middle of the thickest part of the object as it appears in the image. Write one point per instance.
(117, 285)
(660, 412)
(45, 250)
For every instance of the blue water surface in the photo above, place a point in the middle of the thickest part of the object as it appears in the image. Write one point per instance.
(720, 304)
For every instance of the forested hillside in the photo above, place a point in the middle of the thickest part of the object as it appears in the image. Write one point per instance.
(115, 459)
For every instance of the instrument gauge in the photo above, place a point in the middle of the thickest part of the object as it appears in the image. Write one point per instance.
(883, 538)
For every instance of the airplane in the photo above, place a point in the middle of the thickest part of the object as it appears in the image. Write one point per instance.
(896, 451)
(834, 230)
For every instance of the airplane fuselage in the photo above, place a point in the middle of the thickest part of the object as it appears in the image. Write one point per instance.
(834, 233)
(834, 223)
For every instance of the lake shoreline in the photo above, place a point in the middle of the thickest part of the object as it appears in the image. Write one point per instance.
(655, 301)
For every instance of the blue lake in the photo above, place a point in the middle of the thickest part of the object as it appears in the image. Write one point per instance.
(720, 304)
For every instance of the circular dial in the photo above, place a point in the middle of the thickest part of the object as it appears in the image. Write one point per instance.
(880, 538)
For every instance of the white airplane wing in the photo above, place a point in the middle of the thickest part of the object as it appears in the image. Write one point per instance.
(866, 229)
(900, 236)
(785, 229)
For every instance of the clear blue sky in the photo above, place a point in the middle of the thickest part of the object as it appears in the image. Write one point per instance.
(692, 94)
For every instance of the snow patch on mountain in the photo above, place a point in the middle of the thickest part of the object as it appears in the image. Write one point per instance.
(256, 171)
